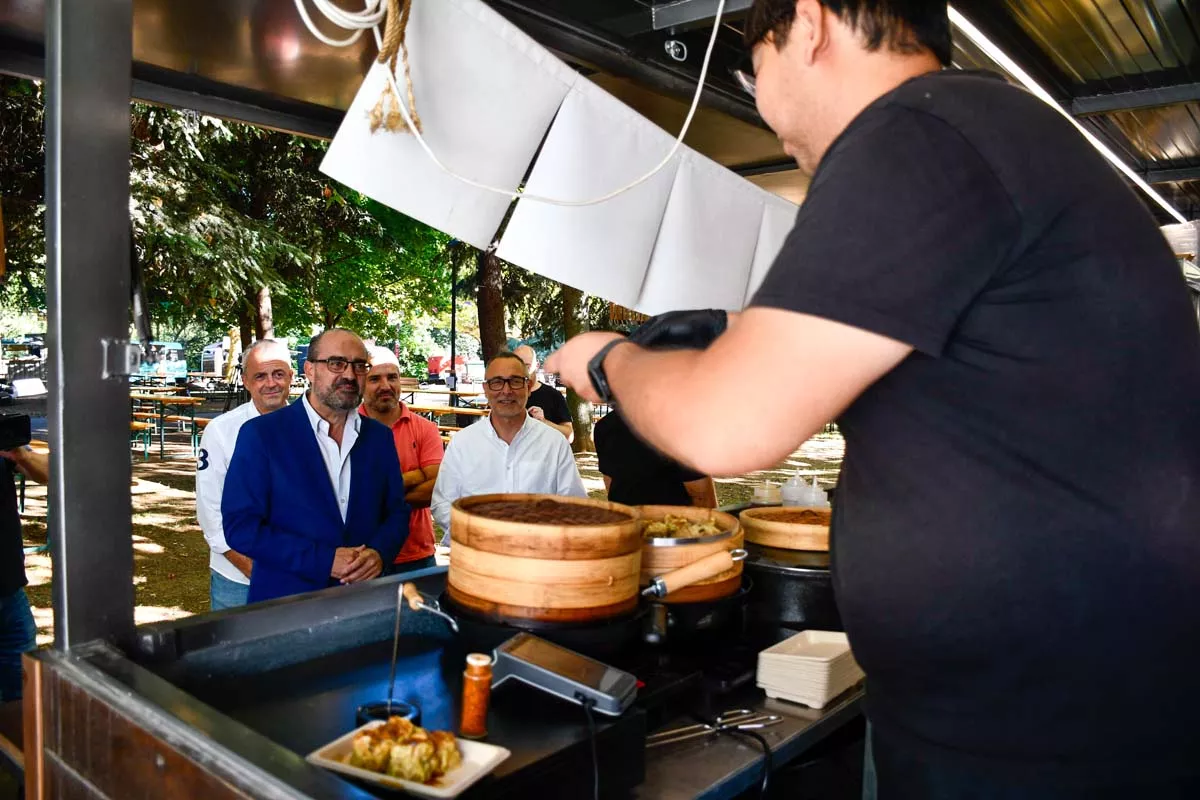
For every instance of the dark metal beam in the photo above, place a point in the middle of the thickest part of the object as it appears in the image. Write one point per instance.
(89, 50)
(683, 13)
(169, 88)
(602, 50)
(1171, 172)
(1153, 97)
(680, 15)
(765, 167)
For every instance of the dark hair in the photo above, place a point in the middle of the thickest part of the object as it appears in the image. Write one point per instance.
(505, 354)
(314, 346)
(905, 26)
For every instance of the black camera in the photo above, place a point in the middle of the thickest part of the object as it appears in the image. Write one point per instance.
(16, 430)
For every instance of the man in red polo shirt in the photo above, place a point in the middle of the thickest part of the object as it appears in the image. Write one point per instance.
(419, 446)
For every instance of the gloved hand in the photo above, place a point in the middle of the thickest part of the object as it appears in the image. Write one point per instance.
(681, 330)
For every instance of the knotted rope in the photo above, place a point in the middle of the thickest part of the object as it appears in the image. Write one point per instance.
(386, 114)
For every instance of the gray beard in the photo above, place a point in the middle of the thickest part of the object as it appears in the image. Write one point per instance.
(334, 399)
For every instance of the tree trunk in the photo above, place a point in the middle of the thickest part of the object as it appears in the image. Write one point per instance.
(264, 317)
(575, 322)
(490, 302)
(245, 326)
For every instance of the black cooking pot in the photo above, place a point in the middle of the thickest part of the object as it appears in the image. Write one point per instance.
(683, 626)
(792, 591)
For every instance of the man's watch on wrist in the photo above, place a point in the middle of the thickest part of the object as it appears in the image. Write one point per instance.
(596, 371)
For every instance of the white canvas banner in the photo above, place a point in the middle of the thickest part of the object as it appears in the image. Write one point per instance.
(706, 243)
(486, 94)
(597, 144)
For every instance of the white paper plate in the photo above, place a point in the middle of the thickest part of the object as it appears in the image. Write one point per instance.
(478, 759)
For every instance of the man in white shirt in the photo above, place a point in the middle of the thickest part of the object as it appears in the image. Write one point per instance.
(267, 374)
(508, 452)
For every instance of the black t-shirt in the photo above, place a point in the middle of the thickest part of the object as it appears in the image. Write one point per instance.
(640, 474)
(12, 547)
(1016, 548)
(552, 403)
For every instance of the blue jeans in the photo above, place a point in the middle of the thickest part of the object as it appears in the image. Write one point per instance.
(18, 634)
(224, 593)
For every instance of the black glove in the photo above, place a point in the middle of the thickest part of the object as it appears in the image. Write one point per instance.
(681, 330)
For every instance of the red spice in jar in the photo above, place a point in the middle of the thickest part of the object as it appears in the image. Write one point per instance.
(477, 690)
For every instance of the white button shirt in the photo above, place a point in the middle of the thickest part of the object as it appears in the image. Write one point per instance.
(478, 461)
(216, 448)
(337, 460)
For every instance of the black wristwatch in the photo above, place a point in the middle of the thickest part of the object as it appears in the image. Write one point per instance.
(596, 371)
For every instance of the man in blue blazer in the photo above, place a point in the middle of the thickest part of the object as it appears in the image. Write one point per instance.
(314, 493)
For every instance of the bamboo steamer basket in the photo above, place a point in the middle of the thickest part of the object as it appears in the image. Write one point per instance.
(767, 527)
(660, 559)
(548, 571)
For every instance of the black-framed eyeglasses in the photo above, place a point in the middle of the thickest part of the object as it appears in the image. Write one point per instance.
(337, 365)
(516, 384)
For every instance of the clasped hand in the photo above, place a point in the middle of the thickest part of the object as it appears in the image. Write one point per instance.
(355, 564)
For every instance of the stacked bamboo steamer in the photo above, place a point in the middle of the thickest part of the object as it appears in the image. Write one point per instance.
(787, 527)
(658, 560)
(544, 570)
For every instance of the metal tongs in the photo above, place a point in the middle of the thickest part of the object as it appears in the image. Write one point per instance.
(742, 719)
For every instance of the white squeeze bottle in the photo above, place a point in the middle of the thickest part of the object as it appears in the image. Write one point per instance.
(795, 492)
(818, 498)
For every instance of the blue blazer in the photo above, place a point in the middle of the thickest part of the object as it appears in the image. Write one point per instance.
(279, 508)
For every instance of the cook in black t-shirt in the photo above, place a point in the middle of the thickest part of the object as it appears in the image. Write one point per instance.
(637, 473)
(1007, 343)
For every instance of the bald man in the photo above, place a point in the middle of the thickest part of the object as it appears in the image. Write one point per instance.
(545, 403)
(267, 374)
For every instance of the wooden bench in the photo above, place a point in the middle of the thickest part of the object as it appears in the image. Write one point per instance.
(445, 428)
(145, 432)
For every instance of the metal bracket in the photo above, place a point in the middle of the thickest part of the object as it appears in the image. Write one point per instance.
(121, 358)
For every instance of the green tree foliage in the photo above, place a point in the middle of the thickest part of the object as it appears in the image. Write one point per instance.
(220, 210)
(22, 182)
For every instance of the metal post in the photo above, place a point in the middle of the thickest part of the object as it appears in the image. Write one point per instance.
(89, 52)
(452, 385)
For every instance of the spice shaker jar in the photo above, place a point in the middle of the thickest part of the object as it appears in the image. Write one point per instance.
(477, 690)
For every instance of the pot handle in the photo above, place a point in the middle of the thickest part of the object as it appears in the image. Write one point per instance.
(701, 570)
(415, 601)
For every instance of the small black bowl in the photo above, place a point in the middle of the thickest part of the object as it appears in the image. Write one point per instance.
(370, 712)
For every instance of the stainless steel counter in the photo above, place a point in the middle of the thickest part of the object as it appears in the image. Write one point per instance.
(725, 766)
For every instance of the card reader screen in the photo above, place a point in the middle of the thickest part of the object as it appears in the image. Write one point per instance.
(560, 661)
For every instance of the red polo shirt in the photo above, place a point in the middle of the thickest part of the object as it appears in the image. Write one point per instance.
(419, 445)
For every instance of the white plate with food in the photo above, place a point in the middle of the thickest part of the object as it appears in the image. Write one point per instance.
(399, 755)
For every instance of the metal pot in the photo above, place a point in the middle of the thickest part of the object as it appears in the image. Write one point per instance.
(680, 625)
(792, 590)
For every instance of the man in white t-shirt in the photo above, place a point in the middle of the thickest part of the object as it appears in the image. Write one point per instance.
(267, 374)
(509, 451)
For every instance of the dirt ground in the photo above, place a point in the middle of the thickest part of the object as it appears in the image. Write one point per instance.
(171, 557)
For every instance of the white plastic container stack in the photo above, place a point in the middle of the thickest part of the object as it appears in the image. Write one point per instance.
(811, 668)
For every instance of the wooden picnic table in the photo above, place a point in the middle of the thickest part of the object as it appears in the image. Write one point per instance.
(438, 411)
(161, 402)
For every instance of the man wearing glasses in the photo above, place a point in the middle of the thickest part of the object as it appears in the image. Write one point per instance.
(512, 452)
(314, 493)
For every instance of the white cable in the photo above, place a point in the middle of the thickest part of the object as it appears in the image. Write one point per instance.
(371, 18)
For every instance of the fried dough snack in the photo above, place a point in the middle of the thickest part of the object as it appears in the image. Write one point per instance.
(402, 750)
(680, 528)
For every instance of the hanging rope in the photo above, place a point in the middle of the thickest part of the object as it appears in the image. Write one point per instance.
(386, 114)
